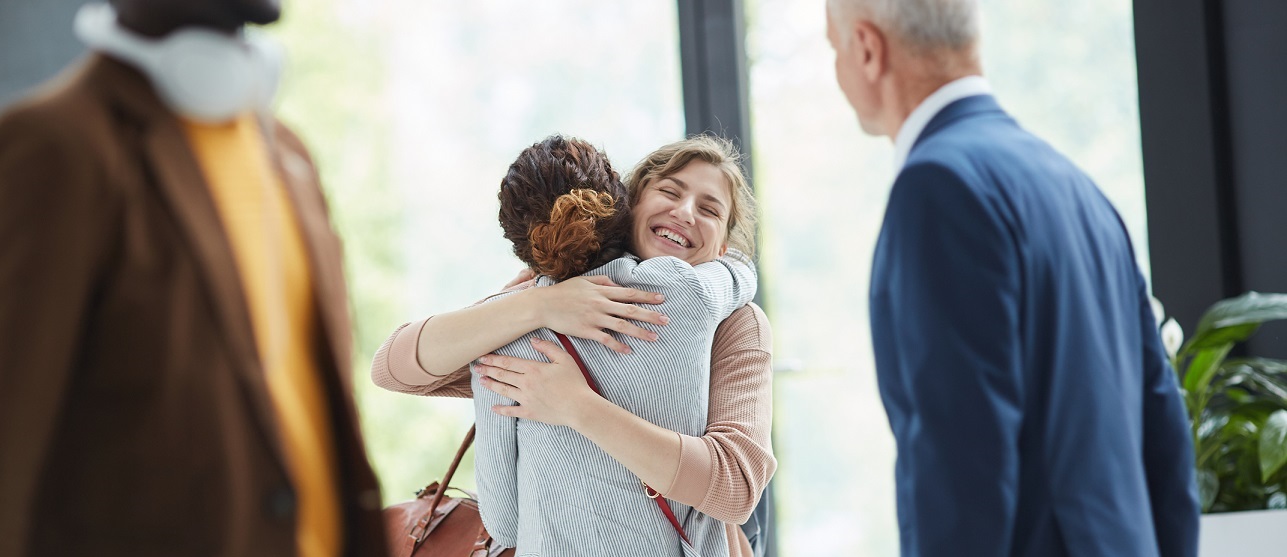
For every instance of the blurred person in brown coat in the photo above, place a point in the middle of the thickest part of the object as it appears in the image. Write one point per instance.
(174, 331)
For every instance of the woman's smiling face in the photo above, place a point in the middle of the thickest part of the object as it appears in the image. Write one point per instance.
(684, 215)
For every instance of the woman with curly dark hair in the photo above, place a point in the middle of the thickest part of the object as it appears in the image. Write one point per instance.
(566, 212)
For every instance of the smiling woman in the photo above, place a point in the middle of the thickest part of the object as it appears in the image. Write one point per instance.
(688, 193)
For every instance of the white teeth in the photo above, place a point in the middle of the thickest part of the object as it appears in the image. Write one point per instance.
(670, 235)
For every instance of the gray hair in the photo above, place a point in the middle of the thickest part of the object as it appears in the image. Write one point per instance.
(921, 24)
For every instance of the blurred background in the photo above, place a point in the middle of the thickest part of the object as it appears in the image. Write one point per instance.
(414, 109)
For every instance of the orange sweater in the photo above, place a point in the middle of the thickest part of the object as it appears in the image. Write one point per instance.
(723, 472)
(273, 264)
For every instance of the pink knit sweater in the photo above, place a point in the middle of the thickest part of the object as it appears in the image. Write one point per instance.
(723, 472)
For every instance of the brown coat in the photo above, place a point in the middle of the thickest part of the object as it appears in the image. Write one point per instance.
(134, 415)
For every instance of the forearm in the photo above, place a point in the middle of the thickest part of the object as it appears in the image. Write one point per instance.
(649, 451)
(723, 473)
(454, 339)
(395, 368)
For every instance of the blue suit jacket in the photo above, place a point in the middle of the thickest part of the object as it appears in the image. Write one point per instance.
(1018, 358)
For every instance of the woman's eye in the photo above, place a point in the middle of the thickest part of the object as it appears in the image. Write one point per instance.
(711, 212)
(670, 192)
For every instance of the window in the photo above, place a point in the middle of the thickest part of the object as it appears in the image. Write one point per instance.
(414, 110)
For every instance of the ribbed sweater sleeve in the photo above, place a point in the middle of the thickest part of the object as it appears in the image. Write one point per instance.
(400, 351)
(723, 472)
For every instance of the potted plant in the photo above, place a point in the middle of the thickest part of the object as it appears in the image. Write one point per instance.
(1238, 410)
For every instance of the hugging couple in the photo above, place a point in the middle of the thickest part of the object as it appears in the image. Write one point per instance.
(683, 406)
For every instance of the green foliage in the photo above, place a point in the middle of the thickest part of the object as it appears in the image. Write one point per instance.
(1238, 407)
(333, 96)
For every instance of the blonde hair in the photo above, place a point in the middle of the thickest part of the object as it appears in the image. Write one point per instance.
(718, 152)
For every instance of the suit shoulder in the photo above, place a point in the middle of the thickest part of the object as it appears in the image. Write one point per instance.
(982, 142)
(43, 147)
(65, 115)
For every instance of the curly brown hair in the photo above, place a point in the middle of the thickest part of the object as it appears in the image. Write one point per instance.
(564, 208)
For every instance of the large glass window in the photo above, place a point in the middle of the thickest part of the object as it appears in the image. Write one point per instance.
(1065, 70)
(414, 110)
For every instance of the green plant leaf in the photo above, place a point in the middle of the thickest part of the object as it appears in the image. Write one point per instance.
(1208, 487)
(1273, 444)
(1203, 367)
(1267, 366)
(1235, 319)
(1266, 379)
(1223, 335)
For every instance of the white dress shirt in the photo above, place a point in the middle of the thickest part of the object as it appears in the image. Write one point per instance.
(968, 86)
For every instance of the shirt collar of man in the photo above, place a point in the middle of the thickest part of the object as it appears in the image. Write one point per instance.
(967, 86)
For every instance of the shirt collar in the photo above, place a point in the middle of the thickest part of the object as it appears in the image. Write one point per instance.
(968, 86)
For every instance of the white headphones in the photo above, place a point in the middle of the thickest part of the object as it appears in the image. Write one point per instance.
(201, 74)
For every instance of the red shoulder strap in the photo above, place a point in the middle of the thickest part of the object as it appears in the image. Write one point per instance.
(652, 493)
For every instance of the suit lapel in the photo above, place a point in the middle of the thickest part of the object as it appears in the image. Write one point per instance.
(180, 183)
(324, 260)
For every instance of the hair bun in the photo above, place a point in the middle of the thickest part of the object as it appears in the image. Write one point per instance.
(562, 247)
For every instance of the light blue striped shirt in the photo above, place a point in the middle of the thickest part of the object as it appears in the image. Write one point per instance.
(549, 491)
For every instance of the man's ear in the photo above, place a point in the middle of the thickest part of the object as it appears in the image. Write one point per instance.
(871, 45)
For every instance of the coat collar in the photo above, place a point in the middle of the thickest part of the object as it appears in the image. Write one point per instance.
(959, 110)
(910, 131)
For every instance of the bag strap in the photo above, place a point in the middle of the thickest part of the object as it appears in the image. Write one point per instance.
(649, 491)
(451, 470)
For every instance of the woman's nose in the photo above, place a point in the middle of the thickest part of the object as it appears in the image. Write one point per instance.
(683, 210)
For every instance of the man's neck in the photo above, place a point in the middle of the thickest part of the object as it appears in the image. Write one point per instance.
(924, 76)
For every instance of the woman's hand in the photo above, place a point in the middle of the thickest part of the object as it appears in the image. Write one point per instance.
(585, 306)
(523, 276)
(552, 393)
(557, 394)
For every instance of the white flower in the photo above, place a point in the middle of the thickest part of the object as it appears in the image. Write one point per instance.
(1172, 337)
(1158, 313)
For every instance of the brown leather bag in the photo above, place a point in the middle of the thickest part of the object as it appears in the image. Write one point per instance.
(434, 525)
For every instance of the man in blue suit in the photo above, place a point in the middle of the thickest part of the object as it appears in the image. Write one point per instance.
(1017, 355)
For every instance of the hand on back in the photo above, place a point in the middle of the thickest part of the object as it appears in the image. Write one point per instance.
(589, 307)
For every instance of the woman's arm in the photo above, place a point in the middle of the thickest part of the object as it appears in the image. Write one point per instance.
(721, 473)
(582, 307)
(725, 284)
(724, 472)
(397, 358)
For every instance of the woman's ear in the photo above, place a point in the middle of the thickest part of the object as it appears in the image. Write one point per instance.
(723, 249)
